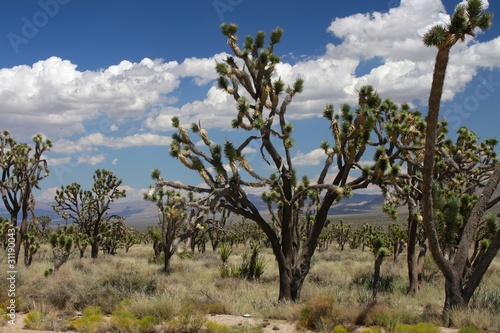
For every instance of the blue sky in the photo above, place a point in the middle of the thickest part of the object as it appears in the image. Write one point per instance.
(102, 78)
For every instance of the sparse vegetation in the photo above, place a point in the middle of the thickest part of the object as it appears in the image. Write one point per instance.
(34, 320)
(339, 293)
(351, 284)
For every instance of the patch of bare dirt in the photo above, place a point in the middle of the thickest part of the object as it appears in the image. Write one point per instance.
(268, 325)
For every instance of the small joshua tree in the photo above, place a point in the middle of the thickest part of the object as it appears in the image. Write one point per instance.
(62, 245)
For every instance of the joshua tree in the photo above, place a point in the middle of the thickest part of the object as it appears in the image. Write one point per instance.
(130, 238)
(62, 245)
(462, 166)
(88, 208)
(22, 168)
(262, 100)
(379, 244)
(461, 281)
(176, 221)
(113, 232)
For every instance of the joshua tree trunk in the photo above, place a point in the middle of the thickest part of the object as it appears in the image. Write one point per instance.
(376, 275)
(416, 268)
(60, 257)
(168, 256)
(94, 248)
(415, 260)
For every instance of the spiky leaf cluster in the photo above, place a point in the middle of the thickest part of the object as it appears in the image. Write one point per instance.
(465, 20)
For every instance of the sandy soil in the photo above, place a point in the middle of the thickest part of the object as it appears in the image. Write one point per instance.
(269, 325)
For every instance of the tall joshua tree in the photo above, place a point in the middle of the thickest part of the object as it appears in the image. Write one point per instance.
(262, 100)
(22, 167)
(464, 22)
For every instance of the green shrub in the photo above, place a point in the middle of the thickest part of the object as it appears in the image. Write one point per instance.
(381, 315)
(250, 268)
(469, 329)
(91, 321)
(385, 284)
(213, 327)
(92, 310)
(147, 323)
(418, 328)
(157, 260)
(224, 252)
(340, 329)
(34, 320)
(188, 321)
(185, 255)
(373, 329)
(124, 321)
(4, 317)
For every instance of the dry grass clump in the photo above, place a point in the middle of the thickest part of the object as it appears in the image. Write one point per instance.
(105, 282)
(34, 320)
(162, 307)
(323, 313)
(479, 318)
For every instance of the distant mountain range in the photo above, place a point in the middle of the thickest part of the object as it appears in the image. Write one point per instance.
(141, 213)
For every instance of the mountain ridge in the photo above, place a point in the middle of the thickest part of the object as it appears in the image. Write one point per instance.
(142, 213)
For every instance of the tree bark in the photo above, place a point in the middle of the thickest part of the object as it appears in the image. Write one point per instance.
(376, 275)
(440, 66)
(415, 260)
(94, 248)
(453, 299)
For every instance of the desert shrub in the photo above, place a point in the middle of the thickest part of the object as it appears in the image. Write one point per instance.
(213, 327)
(478, 318)
(212, 308)
(112, 288)
(321, 312)
(185, 255)
(34, 320)
(123, 321)
(385, 284)
(61, 297)
(417, 328)
(188, 320)
(250, 268)
(130, 283)
(486, 299)
(373, 329)
(161, 307)
(147, 323)
(157, 260)
(314, 310)
(224, 252)
(378, 314)
(4, 318)
(340, 329)
(81, 266)
(469, 329)
(91, 321)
